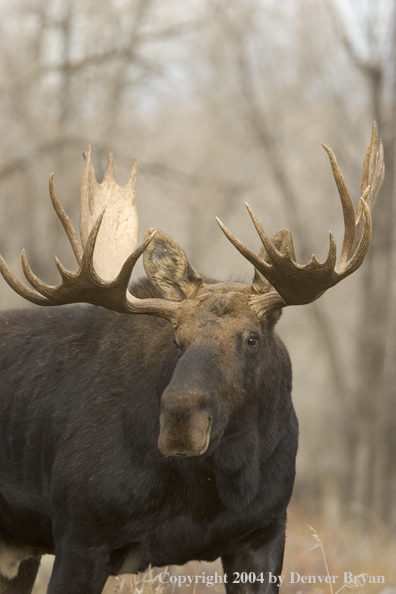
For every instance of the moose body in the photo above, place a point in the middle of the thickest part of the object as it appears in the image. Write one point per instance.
(161, 431)
(81, 472)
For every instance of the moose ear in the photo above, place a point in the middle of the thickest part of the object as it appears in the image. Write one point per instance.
(168, 268)
(283, 242)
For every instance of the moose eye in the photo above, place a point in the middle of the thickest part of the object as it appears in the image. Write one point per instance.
(253, 340)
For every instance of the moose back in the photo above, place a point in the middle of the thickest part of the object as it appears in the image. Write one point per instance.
(159, 427)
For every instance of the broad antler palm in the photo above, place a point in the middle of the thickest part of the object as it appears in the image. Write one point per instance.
(106, 254)
(296, 284)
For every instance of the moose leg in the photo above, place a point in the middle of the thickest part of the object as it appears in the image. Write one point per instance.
(78, 570)
(257, 562)
(24, 581)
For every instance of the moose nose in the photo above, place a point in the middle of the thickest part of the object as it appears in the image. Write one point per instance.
(184, 437)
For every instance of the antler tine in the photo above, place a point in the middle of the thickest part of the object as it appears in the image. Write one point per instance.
(347, 207)
(242, 249)
(360, 229)
(83, 278)
(20, 288)
(372, 177)
(64, 219)
(297, 284)
(373, 168)
(102, 206)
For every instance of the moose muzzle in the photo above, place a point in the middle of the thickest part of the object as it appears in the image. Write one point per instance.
(185, 426)
(191, 405)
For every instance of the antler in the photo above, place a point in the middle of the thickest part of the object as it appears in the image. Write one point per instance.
(296, 284)
(108, 229)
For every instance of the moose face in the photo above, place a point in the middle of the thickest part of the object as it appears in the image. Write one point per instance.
(221, 344)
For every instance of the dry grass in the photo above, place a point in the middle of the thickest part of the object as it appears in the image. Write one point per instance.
(146, 583)
(320, 551)
(360, 546)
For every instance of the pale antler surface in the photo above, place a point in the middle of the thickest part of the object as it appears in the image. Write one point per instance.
(297, 284)
(107, 251)
(118, 233)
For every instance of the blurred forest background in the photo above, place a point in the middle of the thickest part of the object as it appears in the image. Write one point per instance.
(223, 101)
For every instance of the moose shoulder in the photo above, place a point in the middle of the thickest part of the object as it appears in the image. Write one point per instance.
(128, 440)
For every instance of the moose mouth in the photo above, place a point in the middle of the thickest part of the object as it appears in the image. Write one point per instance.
(178, 442)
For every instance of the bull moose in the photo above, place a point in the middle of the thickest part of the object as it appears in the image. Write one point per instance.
(159, 438)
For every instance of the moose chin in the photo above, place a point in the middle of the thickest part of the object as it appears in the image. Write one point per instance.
(154, 425)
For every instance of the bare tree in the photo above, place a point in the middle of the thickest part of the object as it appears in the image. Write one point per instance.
(374, 395)
(223, 101)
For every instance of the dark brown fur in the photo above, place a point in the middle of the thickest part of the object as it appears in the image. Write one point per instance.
(125, 441)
